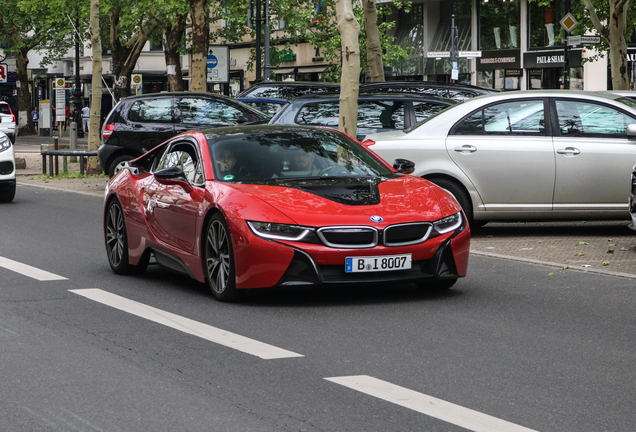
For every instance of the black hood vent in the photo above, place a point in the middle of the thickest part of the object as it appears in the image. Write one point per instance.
(348, 191)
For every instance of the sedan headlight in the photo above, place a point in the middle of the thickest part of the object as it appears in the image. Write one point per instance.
(448, 223)
(5, 142)
(278, 231)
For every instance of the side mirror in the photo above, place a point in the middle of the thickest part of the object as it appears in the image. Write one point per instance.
(173, 176)
(404, 166)
(631, 130)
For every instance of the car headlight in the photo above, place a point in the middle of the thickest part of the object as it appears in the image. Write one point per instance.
(278, 231)
(448, 223)
(5, 142)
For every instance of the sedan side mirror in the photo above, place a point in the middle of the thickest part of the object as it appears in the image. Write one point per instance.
(404, 166)
(173, 176)
(631, 130)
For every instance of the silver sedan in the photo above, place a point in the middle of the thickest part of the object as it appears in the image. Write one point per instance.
(551, 154)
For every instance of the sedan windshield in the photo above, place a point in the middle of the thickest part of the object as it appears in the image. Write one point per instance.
(292, 155)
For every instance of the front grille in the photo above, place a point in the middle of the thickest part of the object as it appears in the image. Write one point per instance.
(349, 237)
(407, 234)
(6, 167)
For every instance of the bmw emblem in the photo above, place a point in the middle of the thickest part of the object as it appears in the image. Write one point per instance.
(376, 218)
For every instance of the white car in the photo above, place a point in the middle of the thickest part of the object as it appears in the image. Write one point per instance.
(7, 121)
(538, 154)
(7, 169)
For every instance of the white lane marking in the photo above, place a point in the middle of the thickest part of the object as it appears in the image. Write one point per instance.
(29, 271)
(440, 409)
(186, 325)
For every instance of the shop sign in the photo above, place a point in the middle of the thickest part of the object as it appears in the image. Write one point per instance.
(550, 59)
(502, 59)
(513, 72)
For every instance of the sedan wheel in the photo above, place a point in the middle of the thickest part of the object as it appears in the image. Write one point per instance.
(218, 260)
(117, 241)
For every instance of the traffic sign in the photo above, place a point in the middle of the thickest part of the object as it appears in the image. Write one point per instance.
(590, 40)
(470, 53)
(4, 73)
(568, 22)
(218, 64)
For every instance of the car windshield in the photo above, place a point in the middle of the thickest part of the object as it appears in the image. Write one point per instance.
(420, 123)
(290, 156)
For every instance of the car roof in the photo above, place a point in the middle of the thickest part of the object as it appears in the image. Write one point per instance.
(258, 99)
(324, 97)
(428, 84)
(183, 93)
(293, 84)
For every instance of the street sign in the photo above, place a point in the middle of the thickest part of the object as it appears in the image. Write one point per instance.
(60, 99)
(438, 54)
(4, 73)
(470, 53)
(574, 40)
(218, 64)
(590, 40)
(568, 22)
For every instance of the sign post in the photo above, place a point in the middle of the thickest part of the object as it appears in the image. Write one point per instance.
(568, 22)
(60, 103)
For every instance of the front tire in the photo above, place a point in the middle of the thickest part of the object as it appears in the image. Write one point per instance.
(218, 260)
(116, 240)
(7, 193)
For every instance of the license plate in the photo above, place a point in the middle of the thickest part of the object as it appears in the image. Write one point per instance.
(377, 263)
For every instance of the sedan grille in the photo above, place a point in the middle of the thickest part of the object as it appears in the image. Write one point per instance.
(349, 237)
(407, 234)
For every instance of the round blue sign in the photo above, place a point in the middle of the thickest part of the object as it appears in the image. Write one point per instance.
(212, 61)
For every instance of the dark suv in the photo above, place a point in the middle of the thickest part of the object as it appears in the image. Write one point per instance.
(139, 123)
(455, 91)
(287, 90)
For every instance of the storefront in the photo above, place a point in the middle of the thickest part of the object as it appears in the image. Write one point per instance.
(500, 70)
(544, 69)
(631, 69)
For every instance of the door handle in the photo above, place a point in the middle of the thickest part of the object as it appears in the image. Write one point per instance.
(569, 151)
(466, 149)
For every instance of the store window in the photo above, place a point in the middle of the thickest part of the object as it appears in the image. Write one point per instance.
(499, 24)
(545, 30)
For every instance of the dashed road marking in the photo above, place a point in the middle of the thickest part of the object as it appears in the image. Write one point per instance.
(186, 325)
(29, 271)
(440, 409)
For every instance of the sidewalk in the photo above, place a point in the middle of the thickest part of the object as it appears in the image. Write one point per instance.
(604, 247)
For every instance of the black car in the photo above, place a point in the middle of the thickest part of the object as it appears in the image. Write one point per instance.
(376, 112)
(287, 90)
(632, 200)
(139, 123)
(458, 92)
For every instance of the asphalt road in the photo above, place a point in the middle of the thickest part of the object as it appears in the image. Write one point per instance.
(508, 349)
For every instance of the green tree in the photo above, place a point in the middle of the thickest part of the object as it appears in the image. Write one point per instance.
(27, 25)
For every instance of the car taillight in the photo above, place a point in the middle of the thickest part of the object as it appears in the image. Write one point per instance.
(108, 131)
(368, 143)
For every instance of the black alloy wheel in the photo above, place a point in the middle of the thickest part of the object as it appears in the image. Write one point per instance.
(117, 241)
(118, 164)
(218, 260)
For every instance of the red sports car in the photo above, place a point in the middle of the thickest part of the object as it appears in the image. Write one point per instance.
(261, 206)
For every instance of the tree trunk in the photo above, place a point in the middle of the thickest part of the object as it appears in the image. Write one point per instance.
(374, 48)
(350, 80)
(200, 41)
(171, 39)
(618, 44)
(25, 101)
(96, 87)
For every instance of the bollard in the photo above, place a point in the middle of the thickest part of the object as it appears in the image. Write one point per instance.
(73, 138)
(56, 146)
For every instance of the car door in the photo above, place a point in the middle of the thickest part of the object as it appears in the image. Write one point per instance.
(197, 112)
(593, 156)
(506, 150)
(170, 210)
(149, 123)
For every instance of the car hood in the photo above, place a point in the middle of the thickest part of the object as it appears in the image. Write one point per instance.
(319, 203)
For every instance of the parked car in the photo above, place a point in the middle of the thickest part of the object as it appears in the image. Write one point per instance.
(457, 92)
(269, 106)
(139, 123)
(7, 121)
(262, 206)
(539, 154)
(287, 90)
(376, 112)
(632, 200)
(7, 169)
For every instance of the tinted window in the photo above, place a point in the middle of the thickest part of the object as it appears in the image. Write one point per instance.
(289, 92)
(424, 110)
(288, 155)
(580, 118)
(471, 125)
(208, 112)
(371, 114)
(154, 110)
(268, 108)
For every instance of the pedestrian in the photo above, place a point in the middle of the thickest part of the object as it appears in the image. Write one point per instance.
(35, 115)
(86, 116)
(67, 116)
